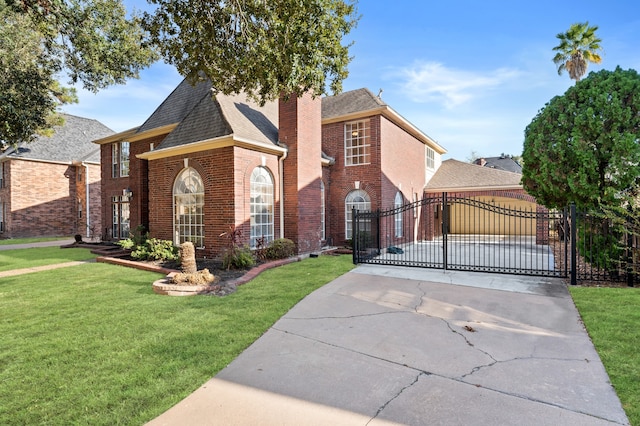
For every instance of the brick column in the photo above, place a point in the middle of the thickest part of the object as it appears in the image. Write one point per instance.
(300, 128)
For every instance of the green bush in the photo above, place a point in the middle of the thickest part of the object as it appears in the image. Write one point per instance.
(280, 249)
(238, 258)
(151, 249)
(600, 244)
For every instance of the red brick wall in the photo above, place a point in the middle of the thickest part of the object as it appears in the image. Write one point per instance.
(95, 201)
(43, 200)
(342, 179)
(226, 174)
(301, 130)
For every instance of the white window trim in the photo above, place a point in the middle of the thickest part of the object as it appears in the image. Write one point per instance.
(366, 200)
(264, 190)
(194, 229)
(360, 131)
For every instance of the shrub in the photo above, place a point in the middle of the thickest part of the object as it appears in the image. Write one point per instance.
(280, 249)
(155, 249)
(237, 257)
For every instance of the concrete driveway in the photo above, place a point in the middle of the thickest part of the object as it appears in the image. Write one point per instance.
(388, 345)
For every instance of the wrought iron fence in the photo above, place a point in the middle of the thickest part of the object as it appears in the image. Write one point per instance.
(462, 233)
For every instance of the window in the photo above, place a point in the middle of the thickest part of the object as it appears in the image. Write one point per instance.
(397, 219)
(188, 207)
(322, 213)
(120, 217)
(120, 159)
(1, 174)
(357, 143)
(124, 159)
(359, 200)
(430, 157)
(261, 205)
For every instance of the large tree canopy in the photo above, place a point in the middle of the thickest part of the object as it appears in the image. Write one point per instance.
(261, 47)
(93, 42)
(584, 146)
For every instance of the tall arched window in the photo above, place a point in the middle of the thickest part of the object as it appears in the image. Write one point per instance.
(359, 200)
(261, 205)
(188, 208)
(397, 219)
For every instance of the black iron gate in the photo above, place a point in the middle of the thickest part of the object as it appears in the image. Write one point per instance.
(473, 234)
(461, 233)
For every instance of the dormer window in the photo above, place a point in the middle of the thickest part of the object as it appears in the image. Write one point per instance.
(357, 143)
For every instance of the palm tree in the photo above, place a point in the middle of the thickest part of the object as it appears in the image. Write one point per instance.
(577, 47)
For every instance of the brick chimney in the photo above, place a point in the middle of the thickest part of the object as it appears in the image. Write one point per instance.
(300, 129)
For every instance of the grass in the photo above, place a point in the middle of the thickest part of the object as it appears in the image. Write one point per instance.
(31, 240)
(612, 318)
(92, 344)
(40, 256)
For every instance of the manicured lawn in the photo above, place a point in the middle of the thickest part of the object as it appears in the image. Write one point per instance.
(612, 318)
(92, 344)
(28, 258)
(31, 240)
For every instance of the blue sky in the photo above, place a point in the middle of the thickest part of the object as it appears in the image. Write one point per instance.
(470, 74)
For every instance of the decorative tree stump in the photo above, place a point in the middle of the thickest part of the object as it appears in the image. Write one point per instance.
(188, 258)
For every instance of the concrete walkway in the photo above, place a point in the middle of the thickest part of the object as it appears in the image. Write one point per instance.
(384, 345)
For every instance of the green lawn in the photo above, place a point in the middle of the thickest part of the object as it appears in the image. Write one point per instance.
(28, 258)
(612, 318)
(31, 240)
(92, 344)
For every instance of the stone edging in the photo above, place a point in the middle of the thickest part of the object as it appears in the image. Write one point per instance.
(251, 273)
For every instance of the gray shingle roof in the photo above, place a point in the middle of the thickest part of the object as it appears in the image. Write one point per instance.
(225, 115)
(70, 142)
(502, 163)
(350, 102)
(177, 105)
(454, 174)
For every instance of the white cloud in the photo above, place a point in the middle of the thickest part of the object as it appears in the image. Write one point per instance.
(433, 82)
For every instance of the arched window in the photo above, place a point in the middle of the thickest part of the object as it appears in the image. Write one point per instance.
(359, 200)
(261, 205)
(397, 219)
(188, 208)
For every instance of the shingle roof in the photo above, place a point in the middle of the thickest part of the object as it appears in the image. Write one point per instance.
(454, 174)
(350, 102)
(502, 163)
(177, 105)
(223, 116)
(70, 142)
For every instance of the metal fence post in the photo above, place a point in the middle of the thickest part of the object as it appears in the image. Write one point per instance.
(445, 229)
(354, 228)
(574, 245)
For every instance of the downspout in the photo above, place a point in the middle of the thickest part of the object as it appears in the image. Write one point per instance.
(87, 209)
(281, 176)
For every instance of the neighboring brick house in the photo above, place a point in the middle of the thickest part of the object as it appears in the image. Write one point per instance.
(291, 168)
(51, 186)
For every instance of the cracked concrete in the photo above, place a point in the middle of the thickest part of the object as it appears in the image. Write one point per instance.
(378, 347)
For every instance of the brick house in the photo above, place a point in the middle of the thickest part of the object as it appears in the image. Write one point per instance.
(51, 186)
(290, 168)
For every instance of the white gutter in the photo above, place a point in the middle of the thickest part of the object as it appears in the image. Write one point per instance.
(281, 173)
